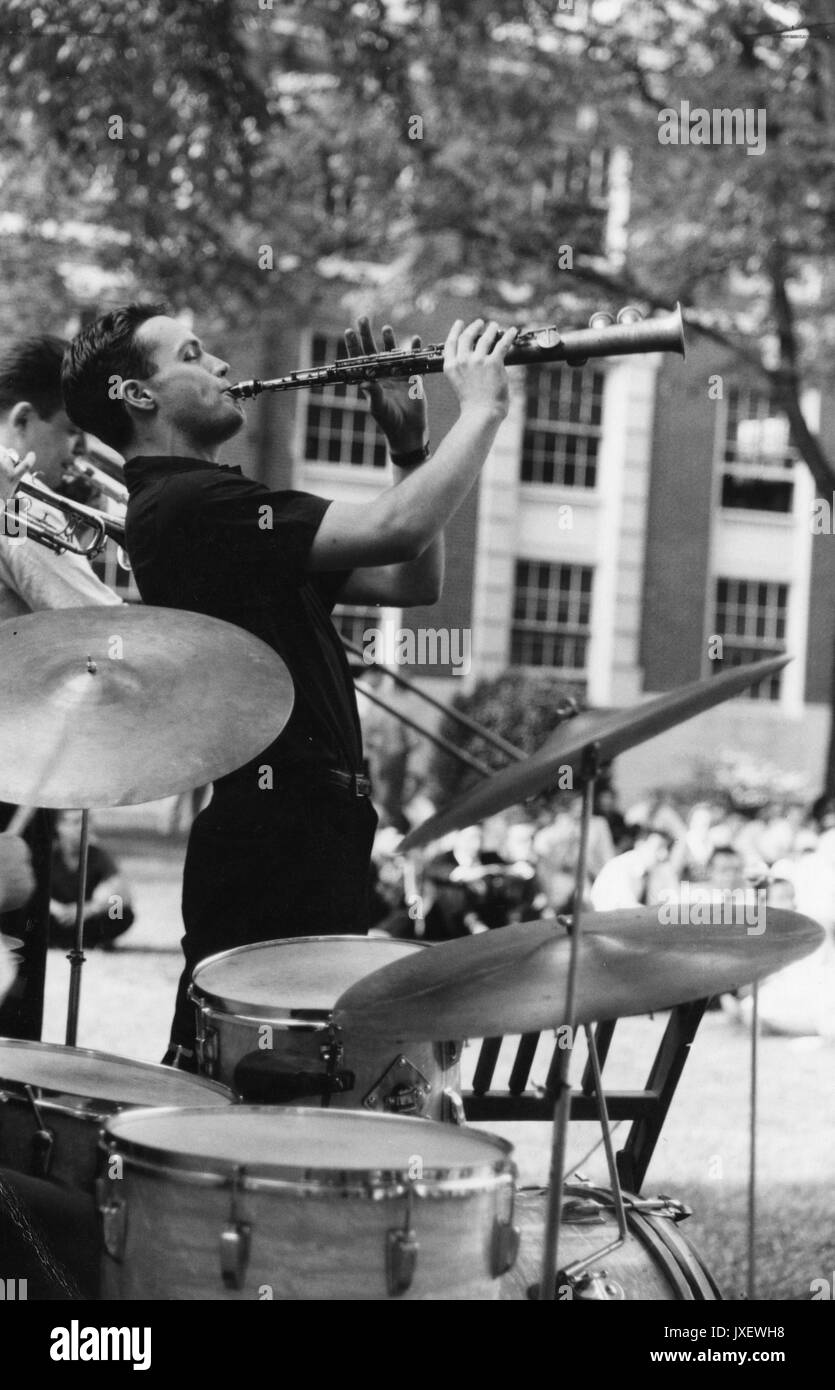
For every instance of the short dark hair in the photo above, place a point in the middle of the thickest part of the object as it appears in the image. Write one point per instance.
(30, 370)
(104, 350)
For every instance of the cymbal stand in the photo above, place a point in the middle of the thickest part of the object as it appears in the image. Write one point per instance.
(76, 956)
(562, 1105)
(751, 1292)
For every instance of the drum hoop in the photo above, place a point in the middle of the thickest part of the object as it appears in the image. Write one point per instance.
(225, 1004)
(371, 1184)
(368, 1182)
(91, 1054)
(315, 1020)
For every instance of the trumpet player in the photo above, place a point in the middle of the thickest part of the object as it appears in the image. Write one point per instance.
(35, 434)
(283, 848)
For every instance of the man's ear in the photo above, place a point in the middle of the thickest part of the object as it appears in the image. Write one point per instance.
(137, 396)
(20, 416)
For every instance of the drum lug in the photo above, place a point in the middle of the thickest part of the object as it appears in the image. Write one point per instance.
(235, 1240)
(402, 1249)
(113, 1213)
(504, 1246)
(448, 1054)
(43, 1139)
(206, 1046)
(234, 1254)
(453, 1107)
(332, 1051)
(43, 1147)
(401, 1090)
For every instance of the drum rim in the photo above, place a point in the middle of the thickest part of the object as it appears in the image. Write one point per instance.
(93, 1054)
(225, 1004)
(309, 1180)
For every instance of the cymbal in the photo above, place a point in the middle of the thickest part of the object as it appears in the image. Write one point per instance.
(116, 706)
(513, 980)
(613, 732)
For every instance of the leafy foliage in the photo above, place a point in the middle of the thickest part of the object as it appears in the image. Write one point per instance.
(521, 707)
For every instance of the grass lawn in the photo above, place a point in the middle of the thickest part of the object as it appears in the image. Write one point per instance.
(702, 1157)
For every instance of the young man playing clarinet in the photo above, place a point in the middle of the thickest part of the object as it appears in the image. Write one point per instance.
(283, 848)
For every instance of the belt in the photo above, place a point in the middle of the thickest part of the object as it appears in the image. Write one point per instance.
(354, 782)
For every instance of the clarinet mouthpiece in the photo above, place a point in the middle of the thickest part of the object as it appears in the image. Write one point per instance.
(244, 390)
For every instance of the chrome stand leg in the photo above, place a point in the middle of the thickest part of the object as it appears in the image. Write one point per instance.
(76, 955)
(562, 1107)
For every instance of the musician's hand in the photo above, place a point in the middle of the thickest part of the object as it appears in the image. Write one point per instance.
(474, 365)
(17, 882)
(11, 469)
(398, 404)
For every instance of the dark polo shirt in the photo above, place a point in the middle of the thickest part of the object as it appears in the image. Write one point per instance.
(204, 538)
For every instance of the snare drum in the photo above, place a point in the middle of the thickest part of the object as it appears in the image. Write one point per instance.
(263, 1028)
(260, 1202)
(54, 1100)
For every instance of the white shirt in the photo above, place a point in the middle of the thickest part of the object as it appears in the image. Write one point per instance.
(620, 883)
(33, 578)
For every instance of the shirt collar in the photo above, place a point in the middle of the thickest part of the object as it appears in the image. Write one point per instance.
(143, 465)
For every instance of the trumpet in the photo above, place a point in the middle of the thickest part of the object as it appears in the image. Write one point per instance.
(63, 524)
(99, 481)
(604, 337)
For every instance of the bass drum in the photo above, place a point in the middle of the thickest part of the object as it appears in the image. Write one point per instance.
(657, 1263)
(54, 1100)
(285, 1203)
(264, 1029)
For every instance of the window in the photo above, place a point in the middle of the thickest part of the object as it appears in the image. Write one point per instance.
(551, 615)
(338, 427)
(563, 413)
(751, 620)
(575, 190)
(757, 460)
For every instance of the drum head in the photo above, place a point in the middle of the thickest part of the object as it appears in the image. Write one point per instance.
(301, 977)
(296, 1144)
(77, 1071)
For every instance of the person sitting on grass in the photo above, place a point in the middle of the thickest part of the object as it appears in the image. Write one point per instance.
(107, 907)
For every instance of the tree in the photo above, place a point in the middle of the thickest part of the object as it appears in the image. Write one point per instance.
(522, 708)
(455, 143)
(737, 237)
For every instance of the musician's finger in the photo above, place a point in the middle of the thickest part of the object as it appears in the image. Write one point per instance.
(389, 340)
(468, 337)
(366, 336)
(352, 342)
(451, 343)
(486, 340)
(14, 467)
(505, 342)
(415, 342)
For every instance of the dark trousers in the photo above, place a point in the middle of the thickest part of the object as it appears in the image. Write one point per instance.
(100, 929)
(300, 867)
(48, 1237)
(21, 1011)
